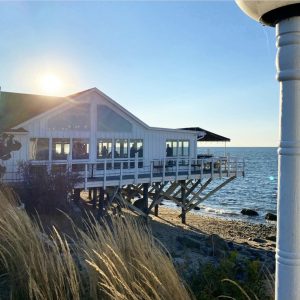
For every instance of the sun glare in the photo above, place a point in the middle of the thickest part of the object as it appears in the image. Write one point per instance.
(51, 84)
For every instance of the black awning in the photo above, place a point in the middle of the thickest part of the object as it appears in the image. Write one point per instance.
(207, 136)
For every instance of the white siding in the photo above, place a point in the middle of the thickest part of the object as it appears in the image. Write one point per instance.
(154, 139)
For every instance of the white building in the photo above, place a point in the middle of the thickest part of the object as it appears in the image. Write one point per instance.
(90, 133)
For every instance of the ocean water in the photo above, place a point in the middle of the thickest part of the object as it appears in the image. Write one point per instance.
(257, 190)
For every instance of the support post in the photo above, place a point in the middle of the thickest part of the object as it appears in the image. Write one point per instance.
(288, 209)
(183, 198)
(90, 194)
(145, 197)
(94, 197)
(76, 195)
(156, 210)
(101, 203)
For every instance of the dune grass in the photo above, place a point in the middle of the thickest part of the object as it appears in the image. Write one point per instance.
(118, 259)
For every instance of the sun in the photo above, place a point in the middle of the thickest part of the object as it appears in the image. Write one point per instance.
(51, 84)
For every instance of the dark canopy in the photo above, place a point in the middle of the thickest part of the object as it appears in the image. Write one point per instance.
(207, 136)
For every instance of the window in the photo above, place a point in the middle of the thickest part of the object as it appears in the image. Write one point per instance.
(104, 149)
(171, 148)
(110, 121)
(177, 148)
(60, 149)
(121, 148)
(77, 118)
(136, 146)
(39, 149)
(183, 148)
(80, 149)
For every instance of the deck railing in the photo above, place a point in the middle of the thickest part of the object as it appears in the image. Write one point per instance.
(136, 169)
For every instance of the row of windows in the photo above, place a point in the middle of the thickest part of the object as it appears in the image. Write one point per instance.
(106, 148)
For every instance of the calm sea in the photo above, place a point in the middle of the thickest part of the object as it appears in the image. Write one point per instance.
(257, 190)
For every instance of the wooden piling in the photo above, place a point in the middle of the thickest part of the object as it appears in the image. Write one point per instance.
(94, 197)
(76, 195)
(145, 197)
(183, 198)
(101, 203)
(156, 210)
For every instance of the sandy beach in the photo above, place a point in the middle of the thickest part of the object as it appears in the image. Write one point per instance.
(210, 239)
(256, 235)
(206, 238)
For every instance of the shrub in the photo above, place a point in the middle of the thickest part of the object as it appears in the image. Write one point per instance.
(232, 277)
(45, 191)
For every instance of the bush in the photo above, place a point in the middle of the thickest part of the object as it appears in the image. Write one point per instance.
(232, 277)
(44, 191)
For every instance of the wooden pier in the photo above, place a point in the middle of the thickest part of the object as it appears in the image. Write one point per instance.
(185, 182)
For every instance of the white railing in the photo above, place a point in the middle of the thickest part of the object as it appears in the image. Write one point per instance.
(120, 169)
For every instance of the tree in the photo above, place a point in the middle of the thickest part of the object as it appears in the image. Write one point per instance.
(7, 145)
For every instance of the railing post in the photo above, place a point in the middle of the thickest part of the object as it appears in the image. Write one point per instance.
(104, 174)
(190, 167)
(177, 168)
(236, 167)
(151, 172)
(85, 176)
(220, 171)
(49, 167)
(212, 168)
(164, 169)
(121, 174)
(228, 166)
(202, 166)
(136, 168)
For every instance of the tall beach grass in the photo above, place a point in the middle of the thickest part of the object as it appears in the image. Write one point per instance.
(118, 259)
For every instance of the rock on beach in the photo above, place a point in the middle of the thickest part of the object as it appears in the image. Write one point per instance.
(249, 212)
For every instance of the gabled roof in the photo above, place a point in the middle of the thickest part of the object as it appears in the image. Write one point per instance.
(207, 136)
(16, 108)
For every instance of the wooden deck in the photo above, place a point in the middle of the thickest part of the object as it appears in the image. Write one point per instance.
(120, 172)
(160, 171)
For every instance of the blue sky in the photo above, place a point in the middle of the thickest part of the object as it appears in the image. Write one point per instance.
(172, 64)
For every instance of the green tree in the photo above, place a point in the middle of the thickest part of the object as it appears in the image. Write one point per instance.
(7, 145)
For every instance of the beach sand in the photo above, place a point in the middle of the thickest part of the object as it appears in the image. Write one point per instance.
(206, 238)
(210, 239)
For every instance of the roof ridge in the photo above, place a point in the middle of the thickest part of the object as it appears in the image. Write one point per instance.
(29, 94)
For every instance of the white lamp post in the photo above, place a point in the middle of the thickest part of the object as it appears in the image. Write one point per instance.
(285, 15)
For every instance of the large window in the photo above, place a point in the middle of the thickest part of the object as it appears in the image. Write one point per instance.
(171, 148)
(104, 149)
(110, 121)
(39, 149)
(77, 118)
(121, 148)
(183, 148)
(60, 149)
(80, 149)
(136, 146)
